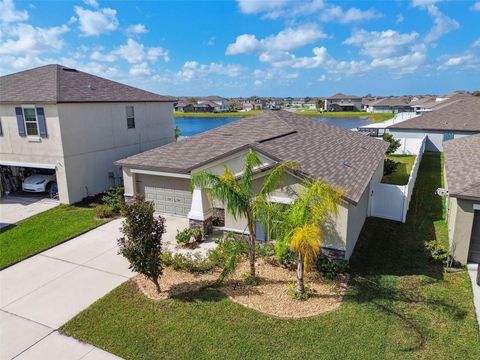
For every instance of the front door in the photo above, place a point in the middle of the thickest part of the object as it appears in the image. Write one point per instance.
(474, 253)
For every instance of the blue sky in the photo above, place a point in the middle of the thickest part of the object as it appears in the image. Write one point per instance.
(247, 47)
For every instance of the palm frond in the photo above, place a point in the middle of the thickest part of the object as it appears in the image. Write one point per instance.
(306, 241)
(251, 162)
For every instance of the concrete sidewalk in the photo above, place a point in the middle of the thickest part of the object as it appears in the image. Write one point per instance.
(472, 272)
(40, 294)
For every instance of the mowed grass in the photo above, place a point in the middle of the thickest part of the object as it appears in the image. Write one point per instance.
(399, 305)
(402, 172)
(376, 118)
(217, 115)
(44, 230)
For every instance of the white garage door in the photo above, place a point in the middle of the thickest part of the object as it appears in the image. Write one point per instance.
(169, 195)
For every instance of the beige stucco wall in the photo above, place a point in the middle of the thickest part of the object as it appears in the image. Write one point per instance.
(34, 150)
(165, 182)
(460, 223)
(96, 135)
(84, 140)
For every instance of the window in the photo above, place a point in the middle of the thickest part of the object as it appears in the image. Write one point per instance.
(130, 117)
(31, 124)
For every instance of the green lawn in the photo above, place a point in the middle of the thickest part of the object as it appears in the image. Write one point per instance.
(44, 230)
(399, 305)
(376, 118)
(217, 115)
(402, 172)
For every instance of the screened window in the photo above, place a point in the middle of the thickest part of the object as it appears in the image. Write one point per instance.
(31, 124)
(130, 117)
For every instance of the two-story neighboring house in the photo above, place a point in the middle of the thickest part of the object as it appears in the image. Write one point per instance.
(78, 124)
(342, 102)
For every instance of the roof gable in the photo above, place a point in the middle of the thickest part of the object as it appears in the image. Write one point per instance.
(59, 84)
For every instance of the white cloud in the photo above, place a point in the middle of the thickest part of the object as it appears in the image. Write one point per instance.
(96, 22)
(466, 61)
(476, 43)
(133, 52)
(312, 8)
(93, 3)
(424, 3)
(194, 70)
(142, 69)
(475, 6)
(400, 18)
(287, 39)
(24, 39)
(257, 82)
(381, 43)
(457, 60)
(319, 57)
(211, 41)
(256, 6)
(9, 14)
(136, 29)
(322, 77)
(399, 52)
(442, 24)
(336, 13)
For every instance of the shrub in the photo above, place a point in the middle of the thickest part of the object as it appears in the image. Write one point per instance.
(438, 252)
(265, 250)
(389, 166)
(115, 199)
(104, 211)
(285, 256)
(330, 268)
(197, 234)
(193, 263)
(292, 291)
(184, 236)
(142, 240)
(393, 144)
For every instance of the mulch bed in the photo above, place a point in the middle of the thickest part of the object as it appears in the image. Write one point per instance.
(270, 296)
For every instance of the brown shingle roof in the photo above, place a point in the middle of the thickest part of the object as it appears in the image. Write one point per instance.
(392, 101)
(339, 96)
(59, 84)
(339, 156)
(460, 113)
(462, 166)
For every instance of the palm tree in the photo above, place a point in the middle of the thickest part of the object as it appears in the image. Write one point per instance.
(301, 225)
(237, 194)
(177, 133)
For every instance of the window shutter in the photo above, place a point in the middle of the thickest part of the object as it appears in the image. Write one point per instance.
(42, 126)
(20, 123)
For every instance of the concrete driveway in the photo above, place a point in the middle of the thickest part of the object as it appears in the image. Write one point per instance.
(40, 294)
(14, 208)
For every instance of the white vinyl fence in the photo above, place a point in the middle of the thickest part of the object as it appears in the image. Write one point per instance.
(391, 201)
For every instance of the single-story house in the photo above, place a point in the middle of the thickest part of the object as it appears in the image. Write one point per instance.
(455, 117)
(462, 178)
(76, 124)
(342, 102)
(391, 104)
(341, 157)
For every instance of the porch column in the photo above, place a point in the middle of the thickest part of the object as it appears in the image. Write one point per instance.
(201, 211)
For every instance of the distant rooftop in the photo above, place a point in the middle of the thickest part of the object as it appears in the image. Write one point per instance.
(461, 112)
(339, 96)
(60, 84)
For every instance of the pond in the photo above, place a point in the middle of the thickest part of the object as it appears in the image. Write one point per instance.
(190, 126)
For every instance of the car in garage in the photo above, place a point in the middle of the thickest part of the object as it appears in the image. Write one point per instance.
(43, 181)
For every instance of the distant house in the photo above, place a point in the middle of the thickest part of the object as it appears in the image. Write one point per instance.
(342, 102)
(217, 102)
(254, 103)
(452, 118)
(462, 174)
(391, 104)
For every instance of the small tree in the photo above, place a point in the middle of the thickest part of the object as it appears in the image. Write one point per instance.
(319, 104)
(177, 133)
(394, 144)
(300, 226)
(141, 243)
